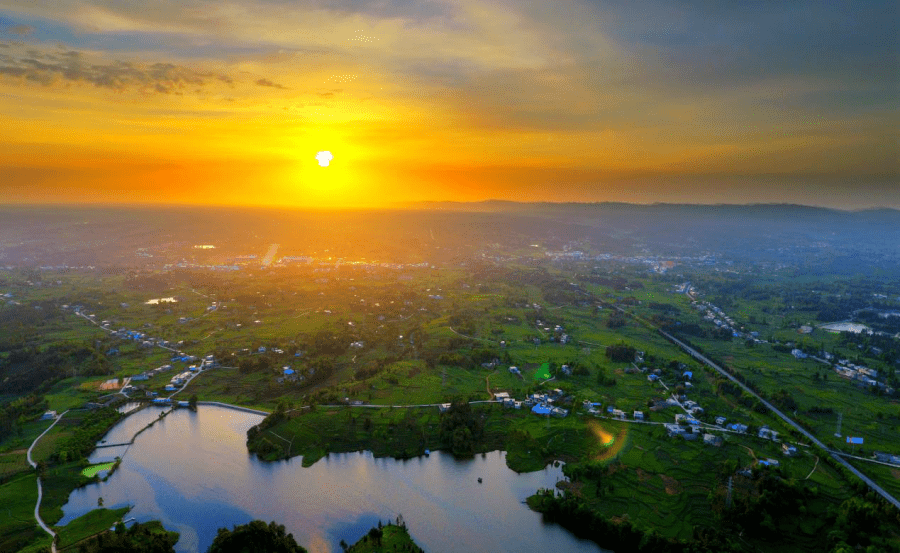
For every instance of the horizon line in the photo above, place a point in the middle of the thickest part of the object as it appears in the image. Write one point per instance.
(419, 204)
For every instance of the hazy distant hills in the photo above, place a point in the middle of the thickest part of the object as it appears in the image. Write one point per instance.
(729, 228)
(854, 241)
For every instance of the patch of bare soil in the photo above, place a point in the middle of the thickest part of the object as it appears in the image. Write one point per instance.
(673, 487)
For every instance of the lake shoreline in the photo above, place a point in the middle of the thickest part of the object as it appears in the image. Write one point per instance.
(185, 455)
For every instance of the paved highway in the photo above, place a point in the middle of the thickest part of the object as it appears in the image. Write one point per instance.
(700, 357)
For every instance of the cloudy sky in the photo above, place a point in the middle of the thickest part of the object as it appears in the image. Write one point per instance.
(229, 101)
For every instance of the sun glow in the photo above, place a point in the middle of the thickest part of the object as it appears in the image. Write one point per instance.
(343, 185)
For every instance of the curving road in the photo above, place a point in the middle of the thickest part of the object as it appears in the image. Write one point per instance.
(836, 456)
(37, 507)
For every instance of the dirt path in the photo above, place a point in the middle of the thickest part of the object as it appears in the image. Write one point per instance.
(813, 469)
(751, 452)
(37, 507)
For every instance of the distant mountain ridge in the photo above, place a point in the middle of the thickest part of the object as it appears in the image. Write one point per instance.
(511, 205)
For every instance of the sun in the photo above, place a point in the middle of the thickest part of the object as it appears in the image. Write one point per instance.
(324, 158)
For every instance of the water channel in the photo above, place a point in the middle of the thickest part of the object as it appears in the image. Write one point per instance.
(192, 471)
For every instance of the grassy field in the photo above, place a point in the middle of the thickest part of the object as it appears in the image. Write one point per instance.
(887, 477)
(18, 529)
(51, 441)
(667, 482)
(58, 483)
(23, 440)
(87, 525)
(12, 463)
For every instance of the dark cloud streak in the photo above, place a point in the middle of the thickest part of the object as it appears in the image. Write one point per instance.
(267, 82)
(48, 68)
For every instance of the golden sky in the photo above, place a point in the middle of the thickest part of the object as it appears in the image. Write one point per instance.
(228, 102)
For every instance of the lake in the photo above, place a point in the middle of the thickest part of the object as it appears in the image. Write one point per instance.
(192, 471)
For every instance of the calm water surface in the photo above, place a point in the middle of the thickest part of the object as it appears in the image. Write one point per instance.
(192, 471)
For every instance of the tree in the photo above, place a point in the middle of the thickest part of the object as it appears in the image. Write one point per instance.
(149, 537)
(255, 537)
(192, 402)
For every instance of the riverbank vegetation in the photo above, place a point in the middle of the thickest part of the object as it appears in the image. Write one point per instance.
(388, 537)
(531, 442)
(148, 537)
(91, 523)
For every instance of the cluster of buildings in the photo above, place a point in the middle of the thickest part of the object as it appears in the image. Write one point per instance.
(860, 374)
(289, 374)
(541, 404)
(691, 433)
(557, 332)
(887, 458)
(621, 415)
(718, 317)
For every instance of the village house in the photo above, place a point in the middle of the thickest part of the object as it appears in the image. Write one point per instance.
(887, 458)
(712, 439)
(788, 450)
(767, 433)
(674, 430)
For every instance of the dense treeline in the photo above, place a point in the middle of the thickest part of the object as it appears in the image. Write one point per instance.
(255, 537)
(573, 514)
(92, 427)
(864, 522)
(28, 368)
(261, 446)
(18, 411)
(461, 428)
(149, 537)
(621, 353)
